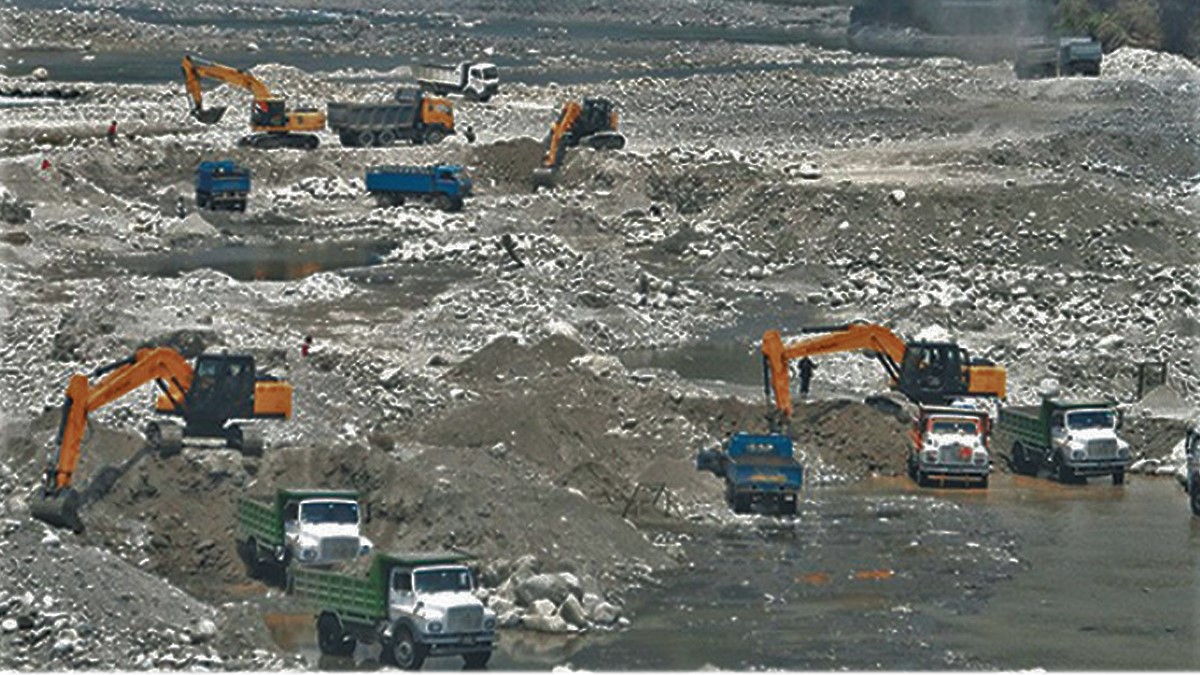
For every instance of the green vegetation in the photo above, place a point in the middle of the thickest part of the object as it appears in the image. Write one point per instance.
(1170, 25)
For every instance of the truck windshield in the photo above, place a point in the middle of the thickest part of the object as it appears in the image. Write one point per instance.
(954, 427)
(1091, 419)
(442, 580)
(329, 512)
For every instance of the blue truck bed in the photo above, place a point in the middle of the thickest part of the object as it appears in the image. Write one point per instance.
(446, 186)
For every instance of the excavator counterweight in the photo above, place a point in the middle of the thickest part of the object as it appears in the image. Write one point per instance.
(211, 398)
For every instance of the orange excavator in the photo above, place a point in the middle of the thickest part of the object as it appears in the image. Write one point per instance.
(274, 126)
(212, 398)
(924, 371)
(593, 122)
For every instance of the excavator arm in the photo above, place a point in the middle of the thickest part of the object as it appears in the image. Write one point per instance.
(879, 340)
(196, 69)
(161, 364)
(570, 113)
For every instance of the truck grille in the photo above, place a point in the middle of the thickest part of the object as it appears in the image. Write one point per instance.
(339, 548)
(1102, 448)
(953, 453)
(464, 620)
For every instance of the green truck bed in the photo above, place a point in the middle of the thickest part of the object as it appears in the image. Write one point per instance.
(262, 519)
(1030, 424)
(357, 598)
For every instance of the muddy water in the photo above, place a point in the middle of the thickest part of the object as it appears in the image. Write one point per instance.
(1027, 574)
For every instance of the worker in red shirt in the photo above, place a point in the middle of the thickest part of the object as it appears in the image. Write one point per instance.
(112, 133)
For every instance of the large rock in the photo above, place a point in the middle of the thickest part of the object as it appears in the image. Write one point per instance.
(605, 614)
(543, 617)
(552, 587)
(572, 611)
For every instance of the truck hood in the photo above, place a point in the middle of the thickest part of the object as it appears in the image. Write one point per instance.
(325, 530)
(938, 440)
(444, 601)
(1086, 435)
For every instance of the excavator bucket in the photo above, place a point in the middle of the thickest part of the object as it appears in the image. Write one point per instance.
(543, 177)
(606, 140)
(60, 510)
(210, 115)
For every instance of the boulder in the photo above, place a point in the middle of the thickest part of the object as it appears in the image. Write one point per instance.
(572, 611)
(553, 587)
(605, 614)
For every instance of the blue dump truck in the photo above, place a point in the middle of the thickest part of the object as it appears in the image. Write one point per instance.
(759, 470)
(222, 185)
(444, 186)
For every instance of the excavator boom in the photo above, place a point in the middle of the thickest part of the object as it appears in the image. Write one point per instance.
(926, 372)
(195, 69)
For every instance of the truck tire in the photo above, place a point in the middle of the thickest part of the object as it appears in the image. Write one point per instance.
(386, 137)
(1020, 461)
(366, 139)
(1118, 477)
(1063, 473)
(787, 505)
(1194, 495)
(348, 139)
(403, 651)
(444, 202)
(922, 479)
(983, 484)
(477, 660)
(434, 135)
(331, 639)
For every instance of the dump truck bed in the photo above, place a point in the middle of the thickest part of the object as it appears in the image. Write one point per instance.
(392, 115)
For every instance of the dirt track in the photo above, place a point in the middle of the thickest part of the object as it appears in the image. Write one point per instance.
(1046, 225)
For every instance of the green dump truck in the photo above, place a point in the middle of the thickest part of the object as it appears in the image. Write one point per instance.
(414, 606)
(307, 527)
(1072, 439)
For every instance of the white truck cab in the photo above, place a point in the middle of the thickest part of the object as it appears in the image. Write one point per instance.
(949, 444)
(323, 531)
(434, 612)
(1086, 435)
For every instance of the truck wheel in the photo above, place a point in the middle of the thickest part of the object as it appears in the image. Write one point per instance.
(366, 139)
(1118, 477)
(444, 203)
(922, 480)
(434, 136)
(1194, 495)
(386, 137)
(1020, 461)
(477, 660)
(1064, 473)
(331, 639)
(348, 139)
(983, 483)
(403, 651)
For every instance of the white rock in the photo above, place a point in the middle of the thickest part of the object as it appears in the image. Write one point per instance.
(897, 196)
(8, 625)
(40, 74)
(51, 540)
(573, 612)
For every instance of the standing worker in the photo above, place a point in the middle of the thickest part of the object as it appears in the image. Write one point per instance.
(306, 347)
(806, 372)
(112, 133)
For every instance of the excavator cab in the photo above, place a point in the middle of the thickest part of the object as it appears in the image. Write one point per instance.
(223, 389)
(933, 371)
(268, 113)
